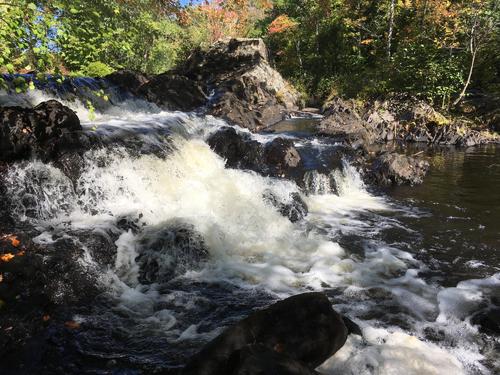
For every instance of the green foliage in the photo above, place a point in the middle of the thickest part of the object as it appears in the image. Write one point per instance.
(352, 48)
(97, 69)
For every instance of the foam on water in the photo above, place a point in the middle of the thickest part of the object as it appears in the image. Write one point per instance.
(253, 247)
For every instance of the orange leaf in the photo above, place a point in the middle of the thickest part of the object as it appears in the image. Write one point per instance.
(14, 241)
(45, 318)
(7, 257)
(72, 324)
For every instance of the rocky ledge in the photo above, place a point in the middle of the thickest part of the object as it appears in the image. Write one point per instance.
(401, 118)
(233, 80)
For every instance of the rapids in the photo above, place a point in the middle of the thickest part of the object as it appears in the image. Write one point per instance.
(384, 258)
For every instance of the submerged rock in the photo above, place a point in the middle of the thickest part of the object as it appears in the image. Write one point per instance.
(303, 328)
(295, 208)
(488, 320)
(169, 250)
(393, 168)
(47, 131)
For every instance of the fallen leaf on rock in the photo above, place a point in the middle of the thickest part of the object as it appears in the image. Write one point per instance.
(72, 324)
(7, 257)
(46, 318)
(12, 239)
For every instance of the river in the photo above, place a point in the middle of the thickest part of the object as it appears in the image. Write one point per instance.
(410, 265)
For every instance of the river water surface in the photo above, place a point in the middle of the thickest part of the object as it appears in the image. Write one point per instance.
(411, 265)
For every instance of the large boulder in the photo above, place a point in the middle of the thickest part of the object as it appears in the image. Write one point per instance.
(243, 87)
(169, 250)
(174, 92)
(343, 122)
(238, 149)
(304, 328)
(278, 158)
(127, 80)
(46, 131)
(398, 169)
(258, 359)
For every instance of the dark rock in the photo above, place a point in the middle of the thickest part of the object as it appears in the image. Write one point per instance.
(174, 92)
(488, 321)
(282, 158)
(393, 168)
(295, 208)
(169, 250)
(304, 327)
(244, 88)
(259, 359)
(343, 122)
(239, 150)
(223, 58)
(127, 80)
(72, 165)
(46, 131)
(278, 158)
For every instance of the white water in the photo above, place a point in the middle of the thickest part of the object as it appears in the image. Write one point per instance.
(251, 245)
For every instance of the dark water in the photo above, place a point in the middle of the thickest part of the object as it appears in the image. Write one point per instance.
(461, 225)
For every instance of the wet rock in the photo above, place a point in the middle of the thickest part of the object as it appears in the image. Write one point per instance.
(393, 168)
(244, 89)
(174, 92)
(304, 327)
(488, 321)
(259, 359)
(278, 158)
(127, 80)
(169, 250)
(239, 150)
(46, 131)
(282, 157)
(294, 208)
(343, 122)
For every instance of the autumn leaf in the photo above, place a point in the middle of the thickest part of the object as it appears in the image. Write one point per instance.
(7, 257)
(46, 318)
(72, 324)
(12, 239)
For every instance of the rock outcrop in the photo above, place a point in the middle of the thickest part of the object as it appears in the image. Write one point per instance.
(402, 118)
(343, 122)
(397, 169)
(233, 78)
(127, 80)
(46, 131)
(278, 158)
(302, 331)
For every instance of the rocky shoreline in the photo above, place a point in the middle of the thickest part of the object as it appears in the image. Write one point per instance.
(233, 80)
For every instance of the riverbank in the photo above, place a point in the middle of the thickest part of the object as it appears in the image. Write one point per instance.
(132, 246)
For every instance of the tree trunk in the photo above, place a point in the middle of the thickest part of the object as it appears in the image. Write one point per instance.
(464, 90)
(391, 28)
(299, 56)
(474, 47)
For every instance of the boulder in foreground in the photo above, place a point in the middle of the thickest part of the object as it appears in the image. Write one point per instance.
(303, 329)
(45, 131)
